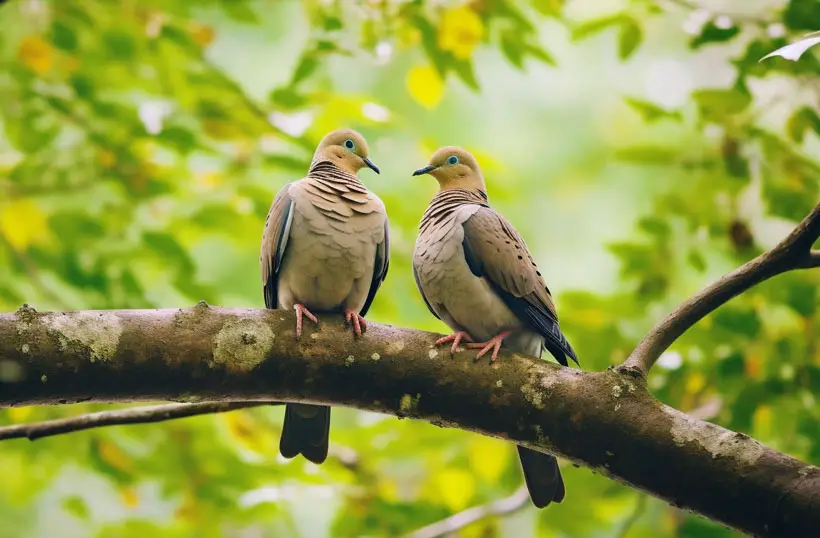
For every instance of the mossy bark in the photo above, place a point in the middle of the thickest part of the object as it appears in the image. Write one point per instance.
(607, 421)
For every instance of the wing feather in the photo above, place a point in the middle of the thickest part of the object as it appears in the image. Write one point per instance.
(494, 250)
(274, 242)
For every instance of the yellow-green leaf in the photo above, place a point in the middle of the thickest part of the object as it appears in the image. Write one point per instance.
(425, 86)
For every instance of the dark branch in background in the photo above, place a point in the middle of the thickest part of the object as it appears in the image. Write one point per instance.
(607, 420)
(794, 252)
(135, 415)
(507, 505)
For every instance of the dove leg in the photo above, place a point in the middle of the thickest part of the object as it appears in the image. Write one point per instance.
(301, 310)
(356, 321)
(456, 339)
(493, 343)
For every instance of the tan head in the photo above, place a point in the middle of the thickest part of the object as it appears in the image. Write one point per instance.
(454, 168)
(347, 149)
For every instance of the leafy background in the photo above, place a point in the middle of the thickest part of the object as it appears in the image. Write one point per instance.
(639, 147)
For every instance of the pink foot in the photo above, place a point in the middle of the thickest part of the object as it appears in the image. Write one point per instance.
(493, 343)
(300, 311)
(456, 339)
(356, 321)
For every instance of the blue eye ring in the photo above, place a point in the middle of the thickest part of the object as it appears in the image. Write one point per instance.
(452, 159)
(349, 143)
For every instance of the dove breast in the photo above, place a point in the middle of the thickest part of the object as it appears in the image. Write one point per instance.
(459, 298)
(332, 248)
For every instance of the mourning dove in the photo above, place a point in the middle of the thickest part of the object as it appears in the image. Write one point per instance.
(476, 274)
(325, 248)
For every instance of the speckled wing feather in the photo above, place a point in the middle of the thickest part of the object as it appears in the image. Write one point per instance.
(494, 250)
(274, 242)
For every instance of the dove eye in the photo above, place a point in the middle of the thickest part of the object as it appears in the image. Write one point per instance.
(349, 144)
(452, 159)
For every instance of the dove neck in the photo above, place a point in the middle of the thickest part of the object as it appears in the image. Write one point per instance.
(447, 201)
(327, 171)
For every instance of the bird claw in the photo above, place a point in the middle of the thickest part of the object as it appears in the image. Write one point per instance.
(455, 338)
(301, 310)
(356, 321)
(493, 343)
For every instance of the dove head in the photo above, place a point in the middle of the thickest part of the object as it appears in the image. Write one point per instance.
(454, 168)
(347, 149)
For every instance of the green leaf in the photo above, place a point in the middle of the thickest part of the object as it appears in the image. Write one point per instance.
(216, 217)
(76, 13)
(464, 70)
(430, 44)
(63, 36)
(550, 8)
(801, 121)
(513, 48)
(596, 26)
(629, 38)
(170, 250)
(656, 227)
(712, 34)
(648, 154)
(332, 23)
(715, 105)
(119, 45)
(650, 111)
(541, 54)
(307, 66)
(286, 162)
(696, 260)
(180, 139)
(739, 319)
(287, 98)
(83, 86)
(76, 506)
(240, 11)
(181, 38)
(802, 297)
(802, 15)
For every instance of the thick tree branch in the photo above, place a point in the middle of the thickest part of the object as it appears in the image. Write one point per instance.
(794, 252)
(135, 415)
(604, 420)
(500, 507)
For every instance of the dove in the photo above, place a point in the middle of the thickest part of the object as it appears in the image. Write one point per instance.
(325, 248)
(475, 273)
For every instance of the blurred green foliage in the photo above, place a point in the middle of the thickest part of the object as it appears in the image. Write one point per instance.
(639, 146)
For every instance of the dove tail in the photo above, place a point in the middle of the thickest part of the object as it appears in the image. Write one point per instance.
(542, 476)
(306, 431)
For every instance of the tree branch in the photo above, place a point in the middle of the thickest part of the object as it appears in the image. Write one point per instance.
(794, 252)
(500, 507)
(604, 420)
(135, 415)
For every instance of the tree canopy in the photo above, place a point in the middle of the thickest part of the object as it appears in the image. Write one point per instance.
(640, 147)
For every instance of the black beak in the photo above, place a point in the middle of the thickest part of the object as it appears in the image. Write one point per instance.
(370, 164)
(426, 170)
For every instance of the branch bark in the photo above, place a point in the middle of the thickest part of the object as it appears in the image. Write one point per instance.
(607, 421)
(136, 415)
(794, 252)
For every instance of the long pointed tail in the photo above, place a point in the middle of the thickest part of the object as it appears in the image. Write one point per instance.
(543, 477)
(306, 431)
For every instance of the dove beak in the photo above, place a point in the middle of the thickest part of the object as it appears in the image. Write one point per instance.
(426, 170)
(370, 164)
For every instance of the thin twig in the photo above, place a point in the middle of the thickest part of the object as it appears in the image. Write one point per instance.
(637, 512)
(708, 410)
(134, 415)
(507, 505)
(794, 252)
